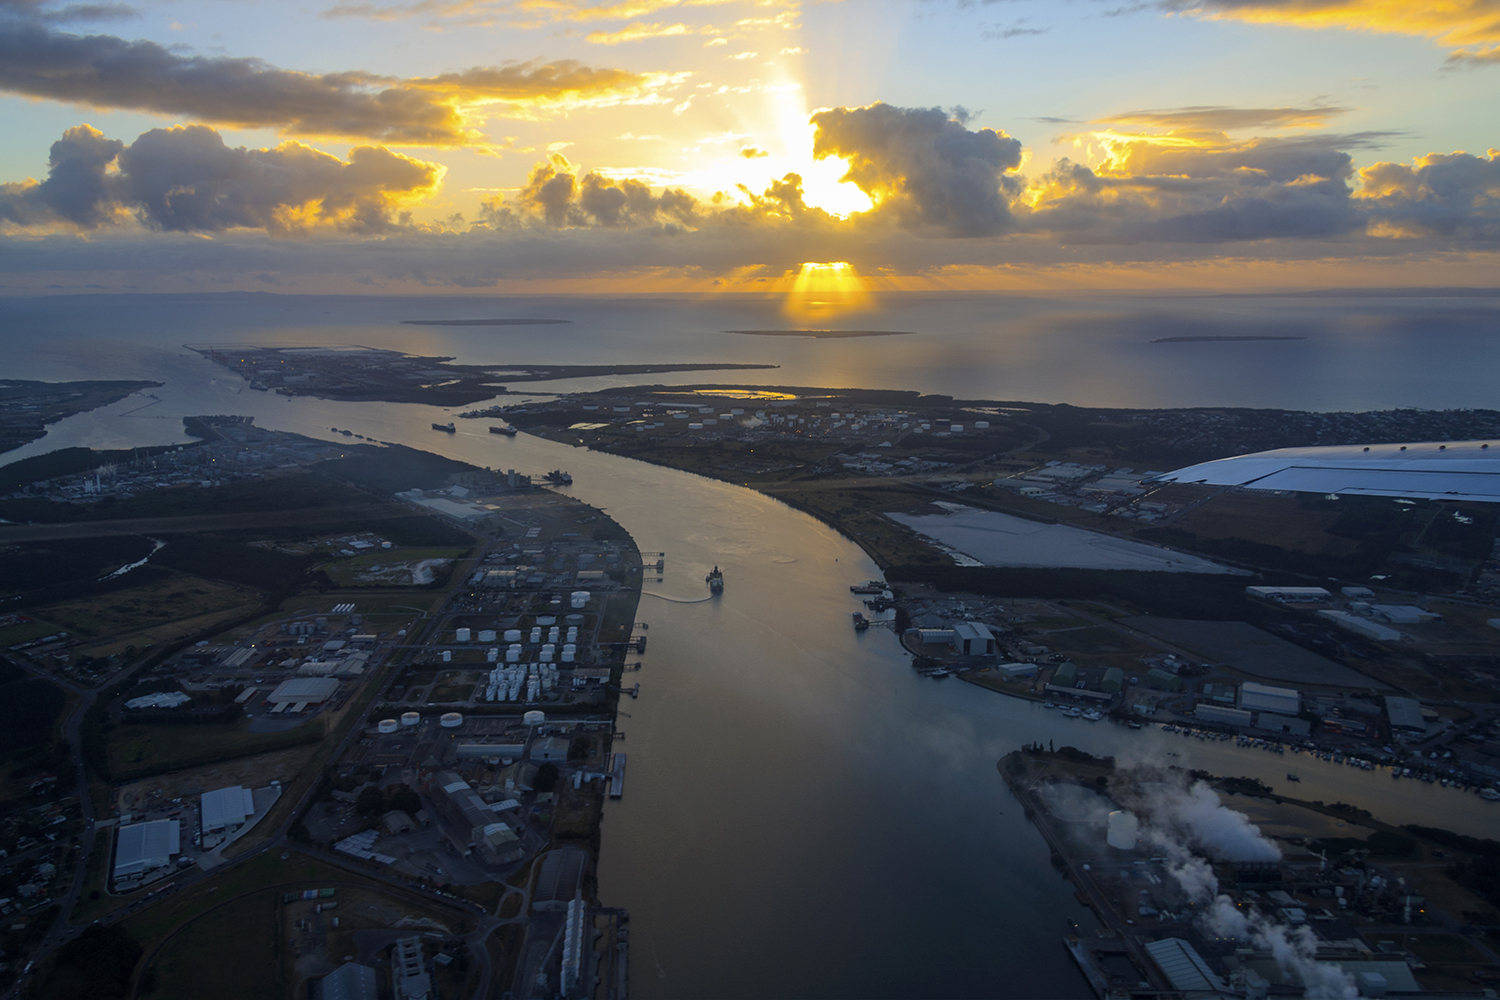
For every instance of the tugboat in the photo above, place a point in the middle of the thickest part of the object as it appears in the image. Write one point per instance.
(1292, 777)
(559, 477)
(715, 581)
(448, 427)
(871, 587)
(860, 622)
(509, 432)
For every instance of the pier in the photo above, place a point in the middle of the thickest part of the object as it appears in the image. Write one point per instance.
(616, 775)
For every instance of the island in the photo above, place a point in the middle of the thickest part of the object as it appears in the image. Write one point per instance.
(485, 322)
(27, 407)
(352, 372)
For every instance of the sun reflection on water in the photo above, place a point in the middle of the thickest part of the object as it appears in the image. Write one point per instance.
(825, 290)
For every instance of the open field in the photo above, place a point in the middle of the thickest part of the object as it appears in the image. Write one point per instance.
(26, 631)
(230, 952)
(1249, 650)
(144, 608)
(1283, 521)
(395, 568)
(251, 772)
(136, 751)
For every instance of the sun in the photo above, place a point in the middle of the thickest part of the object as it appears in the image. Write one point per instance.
(825, 289)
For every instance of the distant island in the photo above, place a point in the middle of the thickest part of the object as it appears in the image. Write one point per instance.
(484, 322)
(1205, 339)
(821, 334)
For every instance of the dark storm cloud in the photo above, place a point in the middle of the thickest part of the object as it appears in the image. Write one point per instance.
(922, 168)
(1450, 195)
(109, 72)
(185, 179)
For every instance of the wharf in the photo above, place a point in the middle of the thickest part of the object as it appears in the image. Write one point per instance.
(1086, 964)
(616, 775)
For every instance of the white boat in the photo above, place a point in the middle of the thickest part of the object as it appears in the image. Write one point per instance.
(1490, 794)
(1073, 713)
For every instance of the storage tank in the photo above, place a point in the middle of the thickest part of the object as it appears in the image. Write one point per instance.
(534, 718)
(410, 718)
(569, 655)
(451, 720)
(387, 725)
(575, 619)
(486, 635)
(580, 598)
(1124, 828)
(512, 635)
(513, 654)
(463, 635)
(546, 619)
(536, 634)
(447, 656)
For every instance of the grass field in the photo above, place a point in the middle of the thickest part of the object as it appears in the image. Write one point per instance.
(145, 608)
(138, 751)
(26, 631)
(1271, 520)
(231, 952)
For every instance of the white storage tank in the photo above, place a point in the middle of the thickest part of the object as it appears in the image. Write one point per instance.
(956, 429)
(513, 654)
(487, 635)
(410, 718)
(580, 598)
(1124, 829)
(981, 425)
(463, 635)
(387, 726)
(546, 619)
(569, 655)
(534, 718)
(493, 655)
(447, 656)
(512, 635)
(451, 720)
(536, 634)
(547, 653)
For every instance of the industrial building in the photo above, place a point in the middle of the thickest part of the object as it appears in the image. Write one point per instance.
(226, 808)
(1289, 595)
(973, 639)
(1361, 626)
(1114, 680)
(552, 748)
(1066, 675)
(1405, 714)
(1222, 714)
(145, 847)
(467, 513)
(1163, 680)
(1287, 725)
(350, 981)
(575, 948)
(1265, 698)
(1184, 968)
(408, 975)
(1403, 614)
(470, 822)
(1014, 671)
(296, 694)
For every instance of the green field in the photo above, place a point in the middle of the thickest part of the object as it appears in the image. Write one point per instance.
(26, 631)
(142, 607)
(136, 751)
(230, 952)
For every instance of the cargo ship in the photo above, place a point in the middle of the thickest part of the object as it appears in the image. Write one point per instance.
(507, 431)
(559, 477)
(715, 581)
(870, 587)
(448, 427)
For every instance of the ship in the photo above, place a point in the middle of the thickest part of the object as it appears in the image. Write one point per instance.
(871, 587)
(445, 427)
(559, 477)
(860, 622)
(507, 431)
(1292, 777)
(715, 581)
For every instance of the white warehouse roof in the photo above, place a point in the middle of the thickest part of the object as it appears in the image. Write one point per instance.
(1265, 698)
(1447, 470)
(141, 847)
(304, 689)
(226, 807)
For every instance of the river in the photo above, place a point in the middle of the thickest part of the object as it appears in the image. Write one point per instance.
(804, 815)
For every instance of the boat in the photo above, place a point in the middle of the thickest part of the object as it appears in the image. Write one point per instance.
(1073, 713)
(445, 427)
(509, 432)
(715, 581)
(938, 673)
(1133, 725)
(1489, 794)
(1094, 716)
(559, 477)
(1292, 777)
(869, 587)
(861, 622)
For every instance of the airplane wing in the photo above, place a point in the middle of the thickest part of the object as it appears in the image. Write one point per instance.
(1433, 470)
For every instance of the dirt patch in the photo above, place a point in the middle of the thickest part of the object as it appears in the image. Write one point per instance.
(251, 772)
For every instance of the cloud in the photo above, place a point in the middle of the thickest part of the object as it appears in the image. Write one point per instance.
(1223, 119)
(1450, 195)
(184, 179)
(922, 168)
(108, 72)
(1200, 189)
(1470, 29)
(72, 13)
(555, 197)
(753, 153)
(635, 33)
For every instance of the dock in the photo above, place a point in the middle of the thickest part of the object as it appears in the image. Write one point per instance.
(616, 775)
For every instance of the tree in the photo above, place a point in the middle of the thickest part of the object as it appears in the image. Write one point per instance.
(371, 801)
(546, 778)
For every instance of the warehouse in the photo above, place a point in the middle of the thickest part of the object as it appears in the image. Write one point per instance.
(226, 808)
(1360, 626)
(973, 639)
(1219, 713)
(296, 694)
(1289, 595)
(1405, 713)
(1265, 698)
(144, 847)
(1012, 671)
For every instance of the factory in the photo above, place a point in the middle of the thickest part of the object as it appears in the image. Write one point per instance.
(472, 823)
(1289, 595)
(225, 809)
(1265, 698)
(1360, 626)
(296, 694)
(141, 848)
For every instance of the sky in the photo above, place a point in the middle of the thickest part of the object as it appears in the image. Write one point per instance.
(701, 146)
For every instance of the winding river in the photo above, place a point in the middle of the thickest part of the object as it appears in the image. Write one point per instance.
(804, 815)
